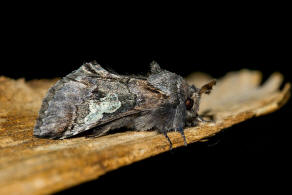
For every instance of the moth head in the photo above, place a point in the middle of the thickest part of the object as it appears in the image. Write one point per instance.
(193, 100)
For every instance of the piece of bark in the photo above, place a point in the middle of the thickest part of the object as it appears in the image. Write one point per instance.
(29, 165)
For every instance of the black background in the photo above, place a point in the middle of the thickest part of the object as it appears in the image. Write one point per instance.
(251, 154)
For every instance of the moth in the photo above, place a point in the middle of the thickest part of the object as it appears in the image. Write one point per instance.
(96, 100)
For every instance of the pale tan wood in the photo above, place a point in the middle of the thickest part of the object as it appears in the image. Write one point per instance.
(29, 165)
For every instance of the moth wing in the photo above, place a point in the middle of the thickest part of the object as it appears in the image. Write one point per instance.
(87, 97)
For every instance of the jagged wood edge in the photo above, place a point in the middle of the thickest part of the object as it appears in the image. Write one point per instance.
(99, 161)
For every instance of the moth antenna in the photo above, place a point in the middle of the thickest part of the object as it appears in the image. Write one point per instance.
(207, 87)
(155, 68)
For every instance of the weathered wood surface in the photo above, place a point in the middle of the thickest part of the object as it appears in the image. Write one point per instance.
(29, 165)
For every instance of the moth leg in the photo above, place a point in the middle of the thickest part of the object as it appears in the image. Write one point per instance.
(207, 114)
(103, 130)
(193, 121)
(181, 131)
(201, 119)
(196, 121)
(166, 136)
(97, 132)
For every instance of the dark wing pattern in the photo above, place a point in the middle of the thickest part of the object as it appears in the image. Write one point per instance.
(86, 98)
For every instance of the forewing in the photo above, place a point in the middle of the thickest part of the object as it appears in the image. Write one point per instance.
(86, 98)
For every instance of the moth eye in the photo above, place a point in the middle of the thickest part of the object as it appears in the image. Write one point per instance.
(189, 103)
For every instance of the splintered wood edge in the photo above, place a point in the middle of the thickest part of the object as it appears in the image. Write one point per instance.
(59, 164)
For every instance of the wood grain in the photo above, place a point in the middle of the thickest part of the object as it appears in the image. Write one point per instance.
(29, 165)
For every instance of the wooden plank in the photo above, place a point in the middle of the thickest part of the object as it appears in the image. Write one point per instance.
(29, 165)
